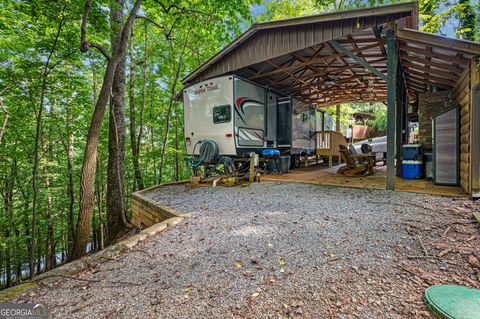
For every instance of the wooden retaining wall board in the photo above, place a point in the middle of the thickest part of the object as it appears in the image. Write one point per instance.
(146, 212)
(462, 96)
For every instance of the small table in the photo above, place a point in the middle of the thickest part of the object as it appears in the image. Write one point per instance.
(367, 158)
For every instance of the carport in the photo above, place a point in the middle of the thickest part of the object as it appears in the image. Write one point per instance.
(364, 55)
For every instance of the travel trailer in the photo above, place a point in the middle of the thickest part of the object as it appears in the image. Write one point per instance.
(243, 117)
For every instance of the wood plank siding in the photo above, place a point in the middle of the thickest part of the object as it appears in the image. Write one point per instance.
(462, 96)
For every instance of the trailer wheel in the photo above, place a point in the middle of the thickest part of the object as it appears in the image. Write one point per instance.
(296, 161)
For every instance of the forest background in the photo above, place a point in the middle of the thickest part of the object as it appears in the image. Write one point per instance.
(88, 111)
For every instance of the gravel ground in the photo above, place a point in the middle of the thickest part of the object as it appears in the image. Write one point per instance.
(281, 250)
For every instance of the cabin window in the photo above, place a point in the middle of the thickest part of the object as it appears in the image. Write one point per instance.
(222, 114)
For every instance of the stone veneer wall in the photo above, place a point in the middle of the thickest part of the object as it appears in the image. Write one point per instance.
(429, 105)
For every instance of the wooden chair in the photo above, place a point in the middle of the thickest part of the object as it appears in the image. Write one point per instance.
(353, 167)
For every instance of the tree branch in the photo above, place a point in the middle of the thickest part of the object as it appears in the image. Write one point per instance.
(180, 9)
(52, 67)
(168, 33)
(128, 26)
(84, 44)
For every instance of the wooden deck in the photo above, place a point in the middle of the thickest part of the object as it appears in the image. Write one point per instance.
(323, 175)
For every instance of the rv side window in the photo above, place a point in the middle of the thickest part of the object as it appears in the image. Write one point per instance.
(221, 114)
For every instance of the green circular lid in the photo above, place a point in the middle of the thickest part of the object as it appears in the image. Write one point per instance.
(453, 302)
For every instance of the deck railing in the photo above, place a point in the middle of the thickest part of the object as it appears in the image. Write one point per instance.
(328, 143)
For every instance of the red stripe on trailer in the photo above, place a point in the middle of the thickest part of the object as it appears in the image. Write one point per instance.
(259, 136)
(239, 100)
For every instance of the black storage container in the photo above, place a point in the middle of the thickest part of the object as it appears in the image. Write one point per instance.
(412, 152)
(271, 164)
(284, 164)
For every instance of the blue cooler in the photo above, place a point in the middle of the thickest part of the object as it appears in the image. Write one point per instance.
(412, 169)
(270, 152)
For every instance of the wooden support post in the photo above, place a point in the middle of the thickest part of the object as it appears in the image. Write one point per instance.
(400, 89)
(391, 106)
(337, 119)
(252, 168)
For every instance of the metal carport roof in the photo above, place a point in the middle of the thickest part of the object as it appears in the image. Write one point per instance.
(305, 56)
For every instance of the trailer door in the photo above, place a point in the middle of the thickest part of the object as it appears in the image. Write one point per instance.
(249, 114)
(284, 122)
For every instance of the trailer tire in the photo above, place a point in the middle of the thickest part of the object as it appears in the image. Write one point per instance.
(295, 161)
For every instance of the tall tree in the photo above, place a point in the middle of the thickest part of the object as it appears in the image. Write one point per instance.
(116, 218)
(63, 93)
(467, 21)
(135, 140)
(87, 181)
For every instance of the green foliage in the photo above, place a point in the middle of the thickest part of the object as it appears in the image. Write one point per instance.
(467, 19)
(378, 110)
(178, 42)
(379, 121)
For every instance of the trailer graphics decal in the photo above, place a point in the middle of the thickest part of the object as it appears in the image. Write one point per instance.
(245, 102)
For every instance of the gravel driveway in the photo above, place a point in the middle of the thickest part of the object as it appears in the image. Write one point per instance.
(280, 250)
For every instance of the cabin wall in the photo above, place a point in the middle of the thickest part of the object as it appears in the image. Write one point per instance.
(462, 96)
(474, 80)
(429, 105)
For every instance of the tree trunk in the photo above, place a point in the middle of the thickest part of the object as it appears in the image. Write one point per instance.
(70, 187)
(116, 137)
(144, 99)
(25, 216)
(173, 92)
(8, 205)
(87, 179)
(137, 183)
(134, 140)
(50, 246)
(100, 192)
(152, 139)
(337, 117)
(177, 157)
(18, 262)
(5, 119)
(39, 252)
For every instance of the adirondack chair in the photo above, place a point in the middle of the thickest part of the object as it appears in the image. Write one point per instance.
(353, 167)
